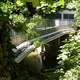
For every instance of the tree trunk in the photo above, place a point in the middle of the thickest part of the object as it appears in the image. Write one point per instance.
(6, 58)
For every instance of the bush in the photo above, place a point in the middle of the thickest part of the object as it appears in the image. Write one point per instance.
(69, 59)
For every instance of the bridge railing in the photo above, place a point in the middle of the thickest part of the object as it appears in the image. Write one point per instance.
(25, 48)
(48, 26)
(48, 32)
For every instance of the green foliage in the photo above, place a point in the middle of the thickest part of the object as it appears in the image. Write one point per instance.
(20, 2)
(77, 13)
(35, 21)
(69, 59)
(17, 18)
(71, 48)
(72, 74)
(6, 7)
(50, 7)
(13, 17)
(71, 4)
(68, 67)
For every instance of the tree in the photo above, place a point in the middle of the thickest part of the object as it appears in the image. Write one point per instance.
(14, 16)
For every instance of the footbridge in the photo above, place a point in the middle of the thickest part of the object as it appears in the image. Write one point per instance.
(27, 47)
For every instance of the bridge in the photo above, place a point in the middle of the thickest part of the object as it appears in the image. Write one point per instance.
(27, 47)
(52, 32)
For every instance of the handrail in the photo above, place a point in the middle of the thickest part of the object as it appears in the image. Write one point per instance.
(41, 38)
(30, 47)
(21, 56)
(27, 43)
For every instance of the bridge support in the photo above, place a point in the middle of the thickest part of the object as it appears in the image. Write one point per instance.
(52, 50)
(34, 61)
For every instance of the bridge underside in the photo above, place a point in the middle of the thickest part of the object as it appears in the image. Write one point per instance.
(52, 51)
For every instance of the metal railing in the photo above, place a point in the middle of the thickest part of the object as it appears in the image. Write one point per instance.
(48, 26)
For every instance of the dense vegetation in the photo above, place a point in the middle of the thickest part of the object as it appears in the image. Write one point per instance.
(15, 15)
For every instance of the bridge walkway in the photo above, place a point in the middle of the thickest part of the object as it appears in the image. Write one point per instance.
(26, 47)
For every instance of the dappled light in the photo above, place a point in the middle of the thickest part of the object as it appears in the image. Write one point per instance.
(39, 40)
